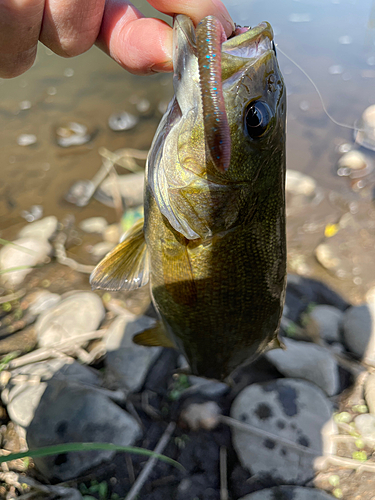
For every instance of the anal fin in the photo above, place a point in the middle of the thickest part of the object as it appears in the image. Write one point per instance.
(154, 337)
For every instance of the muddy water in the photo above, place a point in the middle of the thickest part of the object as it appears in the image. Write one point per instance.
(334, 41)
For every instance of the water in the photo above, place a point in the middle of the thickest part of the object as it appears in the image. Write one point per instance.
(334, 41)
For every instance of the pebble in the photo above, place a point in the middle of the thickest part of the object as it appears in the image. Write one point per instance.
(354, 160)
(205, 387)
(94, 225)
(358, 330)
(201, 415)
(329, 320)
(327, 258)
(26, 139)
(72, 134)
(11, 257)
(365, 136)
(112, 233)
(130, 186)
(69, 413)
(122, 121)
(28, 383)
(34, 213)
(292, 409)
(42, 300)
(298, 183)
(80, 193)
(127, 364)
(365, 425)
(99, 250)
(80, 313)
(288, 493)
(370, 392)
(42, 229)
(307, 361)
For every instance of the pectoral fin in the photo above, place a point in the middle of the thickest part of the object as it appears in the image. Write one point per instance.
(127, 266)
(276, 343)
(154, 337)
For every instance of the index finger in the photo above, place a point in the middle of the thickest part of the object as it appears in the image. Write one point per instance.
(144, 45)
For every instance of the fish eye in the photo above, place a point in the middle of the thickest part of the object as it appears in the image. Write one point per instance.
(257, 119)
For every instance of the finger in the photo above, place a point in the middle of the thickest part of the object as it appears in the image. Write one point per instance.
(70, 27)
(20, 22)
(197, 10)
(140, 45)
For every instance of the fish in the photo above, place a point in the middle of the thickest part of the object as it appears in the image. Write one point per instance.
(212, 244)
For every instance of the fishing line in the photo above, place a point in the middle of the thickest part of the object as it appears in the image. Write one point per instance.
(344, 125)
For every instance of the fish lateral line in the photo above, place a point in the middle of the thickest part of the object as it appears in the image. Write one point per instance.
(330, 117)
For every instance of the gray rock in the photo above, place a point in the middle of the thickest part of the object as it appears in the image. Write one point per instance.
(79, 313)
(358, 328)
(307, 361)
(43, 300)
(42, 229)
(288, 493)
(130, 186)
(68, 414)
(370, 392)
(365, 425)
(94, 225)
(127, 364)
(329, 320)
(28, 383)
(209, 388)
(10, 256)
(291, 409)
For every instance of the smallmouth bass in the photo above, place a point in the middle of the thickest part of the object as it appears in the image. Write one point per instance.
(212, 243)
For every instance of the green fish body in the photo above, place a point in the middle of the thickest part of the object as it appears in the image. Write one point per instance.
(213, 244)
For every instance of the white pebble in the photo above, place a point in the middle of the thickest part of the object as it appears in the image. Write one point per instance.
(26, 139)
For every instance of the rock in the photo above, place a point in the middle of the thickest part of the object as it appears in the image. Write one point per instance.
(43, 300)
(370, 392)
(68, 413)
(288, 493)
(122, 121)
(195, 486)
(26, 139)
(130, 186)
(298, 183)
(205, 387)
(94, 225)
(364, 134)
(365, 425)
(42, 229)
(329, 320)
(99, 250)
(307, 361)
(34, 213)
(291, 409)
(80, 313)
(127, 363)
(10, 256)
(357, 329)
(112, 234)
(354, 160)
(28, 383)
(73, 134)
(80, 193)
(201, 415)
(327, 258)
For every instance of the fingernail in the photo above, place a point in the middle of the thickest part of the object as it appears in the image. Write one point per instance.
(224, 17)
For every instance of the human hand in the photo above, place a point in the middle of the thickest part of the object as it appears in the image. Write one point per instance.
(70, 27)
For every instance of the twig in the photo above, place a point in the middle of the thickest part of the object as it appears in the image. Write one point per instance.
(12, 296)
(347, 463)
(223, 474)
(251, 429)
(44, 353)
(137, 486)
(129, 465)
(116, 193)
(124, 157)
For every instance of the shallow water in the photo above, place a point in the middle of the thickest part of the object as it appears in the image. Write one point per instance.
(334, 41)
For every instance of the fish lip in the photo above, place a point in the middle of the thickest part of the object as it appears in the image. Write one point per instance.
(260, 37)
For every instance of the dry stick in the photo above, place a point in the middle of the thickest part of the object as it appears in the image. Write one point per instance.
(136, 488)
(12, 296)
(129, 466)
(232, 422)
(223, 473)
(116, 193)
(44, 352)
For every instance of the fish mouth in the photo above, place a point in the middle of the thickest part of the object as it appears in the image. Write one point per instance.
(252, 44)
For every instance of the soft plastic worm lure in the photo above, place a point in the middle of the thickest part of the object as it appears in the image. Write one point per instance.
(210, 35)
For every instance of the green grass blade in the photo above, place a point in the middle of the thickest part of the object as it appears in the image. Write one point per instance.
(68, 447)
(19, 247)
